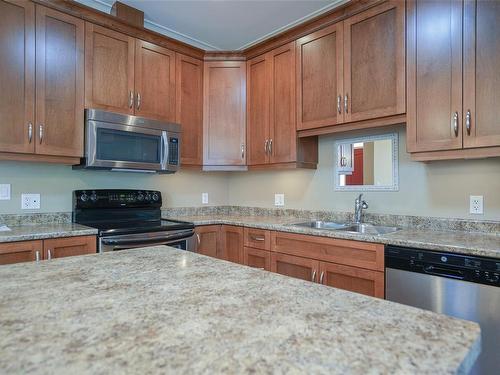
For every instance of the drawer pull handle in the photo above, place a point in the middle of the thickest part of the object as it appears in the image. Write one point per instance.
(37, 256)
(321, 277)
(313, 278)
(257, 238)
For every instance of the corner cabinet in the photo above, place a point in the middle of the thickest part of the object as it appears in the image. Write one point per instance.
(224, 112)
(453, 80)
(353, 72)
(42, 120)
(271, 117)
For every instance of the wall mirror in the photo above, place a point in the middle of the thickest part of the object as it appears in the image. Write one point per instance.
(367, 163)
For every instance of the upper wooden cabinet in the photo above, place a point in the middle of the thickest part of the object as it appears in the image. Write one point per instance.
(109, 70)
(128, 75)
(453, 79)
(271, 117)
(189, 108)
(51, 126)
(353, 70)
(224, 111)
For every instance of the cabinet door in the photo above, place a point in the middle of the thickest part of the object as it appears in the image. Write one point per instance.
(283, 132)
(224, 113)
(300, 268)
(208, 237)
(59, 83)
(434, 93)
(189, 104)
(154, 81)
(370, 283)
(109, 70)
(17, 252)
(258, 110)
(231, 248)
(68, 246)
(17, 76)
(257, 258)
(481, 112)
(374, 62)
(319, 78)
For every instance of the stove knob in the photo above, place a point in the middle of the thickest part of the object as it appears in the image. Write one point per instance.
(84, 197)
(140, 197)
(93, 197)
(156, 197)
(148, 197)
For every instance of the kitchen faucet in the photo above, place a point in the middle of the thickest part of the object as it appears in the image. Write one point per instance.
(359, 206)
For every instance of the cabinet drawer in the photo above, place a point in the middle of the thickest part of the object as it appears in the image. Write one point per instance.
(257, 258)
(23, 251)
(352, 253)
(257, 238)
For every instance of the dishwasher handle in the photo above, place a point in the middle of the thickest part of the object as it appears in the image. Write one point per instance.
(444, 272)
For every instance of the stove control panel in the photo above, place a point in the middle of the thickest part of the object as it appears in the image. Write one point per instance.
(116, 198)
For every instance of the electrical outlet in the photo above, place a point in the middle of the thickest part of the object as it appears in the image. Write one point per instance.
(204, 198)
(279, 199)
(4, 192)
(476, 204)
(30, 201)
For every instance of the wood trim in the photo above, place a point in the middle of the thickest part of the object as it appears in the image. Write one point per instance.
(106, 20)
(39, 158)
(359, 125)
(468, 153)
(257, 238)
(224, 56)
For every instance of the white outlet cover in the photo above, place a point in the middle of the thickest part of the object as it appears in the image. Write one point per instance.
(279, 200)
(476, 205)
(30, 201)
(204, 198)
(4, 192)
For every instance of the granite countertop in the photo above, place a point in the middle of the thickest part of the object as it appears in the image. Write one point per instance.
(470, 243)
(163, 310)
(44, 231)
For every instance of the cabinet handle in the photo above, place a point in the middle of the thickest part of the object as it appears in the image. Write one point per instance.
(346, 101)
(339, 105)
(321, 277)
(242, 150)
(271, 146)
(198, 238)
(40, 132)
(256, 238)
(454, 124)
(266, 143)
(138, 101)
(131, 99)
(313, 278)
(30, 132)
(49, 254)
(467, 122)
(37, 256)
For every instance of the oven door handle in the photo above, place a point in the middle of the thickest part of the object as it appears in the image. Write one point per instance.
(150, 241)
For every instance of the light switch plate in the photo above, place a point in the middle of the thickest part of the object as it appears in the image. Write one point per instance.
(476, 204)
(4, 192)
(279, 199)
(30, 201)
(204, 198)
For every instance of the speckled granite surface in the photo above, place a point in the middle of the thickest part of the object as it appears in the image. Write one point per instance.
(471, 243)
(44, 231)
(162, 310)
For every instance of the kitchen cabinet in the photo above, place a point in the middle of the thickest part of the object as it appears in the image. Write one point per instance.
(189, 108)
(224, 112)
(271, 117)
(49, 128)
(293, 266)
(353, 70)
(453, 79)
(257, 258)
(231, 245)
(208, 237)
(27, 251)
(257, 238)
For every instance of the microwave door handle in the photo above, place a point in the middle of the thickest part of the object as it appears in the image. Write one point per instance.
(164, 150)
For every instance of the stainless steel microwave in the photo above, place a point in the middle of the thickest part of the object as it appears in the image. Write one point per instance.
(121, 142)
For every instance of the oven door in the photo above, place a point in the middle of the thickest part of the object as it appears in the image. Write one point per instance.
(183, 239)
(120, 146)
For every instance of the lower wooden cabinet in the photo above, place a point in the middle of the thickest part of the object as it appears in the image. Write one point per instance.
(28, 251)
(257, 258)
(208, 237)
(293, 266)
(231, 246)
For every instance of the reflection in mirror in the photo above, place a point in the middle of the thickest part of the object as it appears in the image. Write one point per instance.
(367, 163)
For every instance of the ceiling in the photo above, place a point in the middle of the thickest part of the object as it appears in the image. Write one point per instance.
(222, 24)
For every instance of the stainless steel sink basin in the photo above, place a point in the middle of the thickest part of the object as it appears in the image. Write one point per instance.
(318, 224)
(368, 229)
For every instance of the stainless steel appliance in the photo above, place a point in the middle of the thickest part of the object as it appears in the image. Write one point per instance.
(115, 141)
(129, 219)
(466, 287)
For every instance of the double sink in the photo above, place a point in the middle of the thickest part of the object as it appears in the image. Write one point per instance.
(360, 228)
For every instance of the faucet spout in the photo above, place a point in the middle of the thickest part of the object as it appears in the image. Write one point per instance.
(359, 206)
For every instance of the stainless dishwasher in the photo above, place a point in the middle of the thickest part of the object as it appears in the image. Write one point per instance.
(465, 287)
